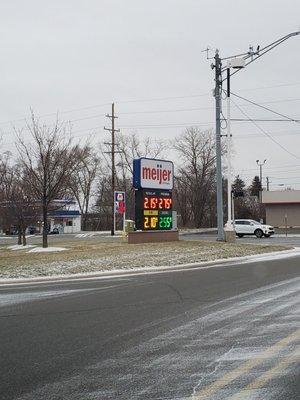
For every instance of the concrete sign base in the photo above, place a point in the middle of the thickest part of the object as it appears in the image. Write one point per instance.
(152, 236)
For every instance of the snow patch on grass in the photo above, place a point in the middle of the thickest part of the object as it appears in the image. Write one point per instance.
(46, 249)
(20, 247)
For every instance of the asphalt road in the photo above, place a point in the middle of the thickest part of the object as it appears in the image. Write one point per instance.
(225, 332)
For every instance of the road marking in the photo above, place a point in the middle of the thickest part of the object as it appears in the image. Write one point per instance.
(245, 367)
(268, 375)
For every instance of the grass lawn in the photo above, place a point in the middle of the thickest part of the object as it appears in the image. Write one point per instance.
(92, 256)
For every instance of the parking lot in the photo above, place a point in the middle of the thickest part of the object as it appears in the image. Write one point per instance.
(291, 239)
(56, 239)
(278, 239)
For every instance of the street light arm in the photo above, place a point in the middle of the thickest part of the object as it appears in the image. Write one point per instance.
(275, 43)
(255, 55)
(270, 47)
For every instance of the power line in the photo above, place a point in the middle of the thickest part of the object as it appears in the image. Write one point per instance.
(158, 111)
(266, 133)
(271, 87)
(152, 100)
(163, 98)
(107, 103)
(260, 120)
(265, 108)
(284, 177)
(251, 135)
(283, 168)
(56, 113)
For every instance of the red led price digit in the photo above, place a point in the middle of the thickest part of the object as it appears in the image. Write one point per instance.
(153, 202)
(168, 203)
(160, 202)
(146, 202)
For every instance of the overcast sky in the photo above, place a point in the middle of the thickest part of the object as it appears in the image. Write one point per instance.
(146, 56)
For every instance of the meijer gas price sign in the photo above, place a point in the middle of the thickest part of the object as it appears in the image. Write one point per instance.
(153, 180)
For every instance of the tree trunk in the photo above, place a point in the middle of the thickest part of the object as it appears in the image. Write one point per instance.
(19, 237)
(24, 237)
(84, 217)
(45, 226)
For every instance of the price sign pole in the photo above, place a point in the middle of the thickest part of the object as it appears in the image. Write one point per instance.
(120, 206)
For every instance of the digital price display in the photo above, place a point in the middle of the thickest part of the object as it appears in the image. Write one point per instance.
(153, 209)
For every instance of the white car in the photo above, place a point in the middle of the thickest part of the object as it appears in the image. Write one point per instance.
(251, 227)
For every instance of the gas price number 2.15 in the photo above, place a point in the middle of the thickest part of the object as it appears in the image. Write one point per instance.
(157, 203)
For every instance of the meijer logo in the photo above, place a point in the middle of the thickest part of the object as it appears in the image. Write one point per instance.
(158, 174)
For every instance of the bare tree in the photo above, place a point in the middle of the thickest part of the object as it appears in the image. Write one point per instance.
(48, 160)
(195, 176)
(82, 180)
(131, 147)
(17, 206)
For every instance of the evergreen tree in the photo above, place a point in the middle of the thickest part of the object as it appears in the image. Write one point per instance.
(238, 184)
(255, 187)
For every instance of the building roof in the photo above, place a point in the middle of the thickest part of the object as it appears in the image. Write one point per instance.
(64, 213)
(281, 197)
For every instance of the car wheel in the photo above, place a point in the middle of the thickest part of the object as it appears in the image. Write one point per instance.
(240, 235)
(258, 233)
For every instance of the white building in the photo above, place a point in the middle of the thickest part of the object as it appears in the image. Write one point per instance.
(66, 218)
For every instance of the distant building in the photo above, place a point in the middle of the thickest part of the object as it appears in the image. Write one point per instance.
(65, 216)
(282, 207)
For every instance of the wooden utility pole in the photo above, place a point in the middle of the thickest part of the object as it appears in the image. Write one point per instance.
(112, 152)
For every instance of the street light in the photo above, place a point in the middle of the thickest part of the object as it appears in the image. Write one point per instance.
(248, 57)
(260, 164)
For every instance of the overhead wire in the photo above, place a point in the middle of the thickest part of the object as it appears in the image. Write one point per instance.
(266, 133)
(148, 100)
(265, 108)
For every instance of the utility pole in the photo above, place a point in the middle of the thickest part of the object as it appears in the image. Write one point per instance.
(217, 94)
(112, 117)
(268, 183)
(229, 178)
(237, 62)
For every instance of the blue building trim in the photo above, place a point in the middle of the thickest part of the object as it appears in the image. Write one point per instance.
(64, 213)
